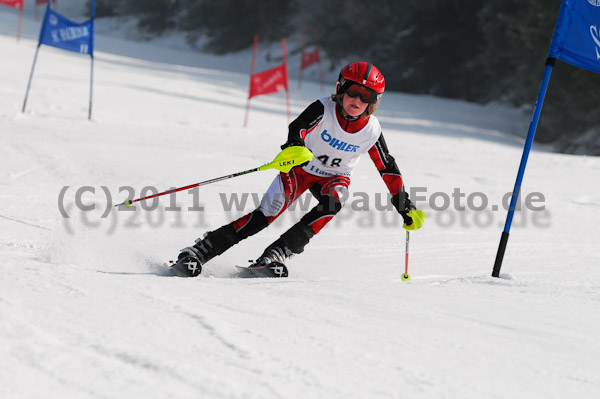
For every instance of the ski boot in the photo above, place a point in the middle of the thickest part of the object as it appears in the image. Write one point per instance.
(213, 243)
(271, 263)
(190, 260)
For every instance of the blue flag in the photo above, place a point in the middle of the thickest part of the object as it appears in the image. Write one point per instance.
(577, 34)
(58, 31)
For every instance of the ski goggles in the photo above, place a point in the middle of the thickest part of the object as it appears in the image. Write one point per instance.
(366, 95)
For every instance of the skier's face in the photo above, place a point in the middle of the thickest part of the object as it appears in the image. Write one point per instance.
(354, 106)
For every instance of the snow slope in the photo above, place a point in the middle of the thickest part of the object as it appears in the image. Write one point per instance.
(86, 312)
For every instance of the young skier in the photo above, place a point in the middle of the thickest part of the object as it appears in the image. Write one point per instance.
(338, 130)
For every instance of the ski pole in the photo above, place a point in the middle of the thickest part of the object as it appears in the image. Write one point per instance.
(284, 162)
(406, 276)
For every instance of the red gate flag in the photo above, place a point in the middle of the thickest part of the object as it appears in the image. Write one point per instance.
(18, 4)
(269, 81)
(310, 58)
(307, 59)
(13, 3)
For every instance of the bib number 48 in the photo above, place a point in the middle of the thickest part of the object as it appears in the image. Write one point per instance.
(335, 162)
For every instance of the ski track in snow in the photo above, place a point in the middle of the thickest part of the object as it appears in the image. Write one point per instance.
(88, 310)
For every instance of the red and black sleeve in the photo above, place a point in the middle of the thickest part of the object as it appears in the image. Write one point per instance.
(386, 165)
(304, 124)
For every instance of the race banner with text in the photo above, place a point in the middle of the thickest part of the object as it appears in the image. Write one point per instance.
(58, 31)
(269, 81)
(577, 34)
(576, 41)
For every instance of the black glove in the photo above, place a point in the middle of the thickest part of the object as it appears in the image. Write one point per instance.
(403, 205)
(294, 142)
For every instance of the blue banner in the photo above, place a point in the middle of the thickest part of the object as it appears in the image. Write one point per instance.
(58, 31)
(576, 37)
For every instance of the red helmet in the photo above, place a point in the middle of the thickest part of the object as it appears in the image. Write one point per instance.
(364, 74)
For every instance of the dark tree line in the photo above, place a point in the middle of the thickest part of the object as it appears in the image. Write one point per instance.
(473, 50)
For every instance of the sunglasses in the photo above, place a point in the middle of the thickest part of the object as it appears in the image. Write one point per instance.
(366, 95)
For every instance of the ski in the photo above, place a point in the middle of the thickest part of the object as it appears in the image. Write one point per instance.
(273, 269)
(188, 266)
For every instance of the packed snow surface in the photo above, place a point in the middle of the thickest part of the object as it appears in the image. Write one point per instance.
(87, 311)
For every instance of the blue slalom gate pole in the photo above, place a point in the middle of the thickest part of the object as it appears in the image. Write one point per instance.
(37, 50)
(530, 135)
(93, 33)
(91, 88)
